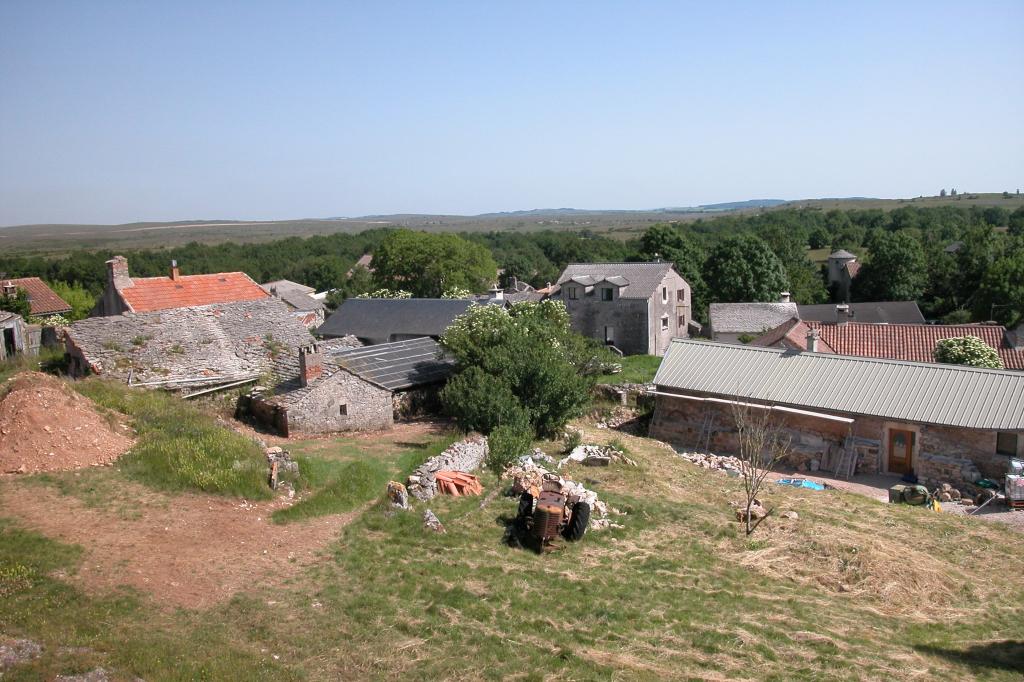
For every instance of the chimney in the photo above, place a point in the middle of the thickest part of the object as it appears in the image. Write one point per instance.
(843, 313)
(784, 297)
(174, 270)
(9, 289)
(812, 340)
(311, 363)
(117, 273)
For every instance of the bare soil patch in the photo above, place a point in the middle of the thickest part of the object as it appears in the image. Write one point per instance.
(189, 550)
(45, 426)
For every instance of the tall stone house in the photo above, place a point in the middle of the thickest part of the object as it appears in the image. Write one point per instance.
(127, 294)
(637, 308)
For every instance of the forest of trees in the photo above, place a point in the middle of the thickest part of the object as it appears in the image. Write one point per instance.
(905, 253)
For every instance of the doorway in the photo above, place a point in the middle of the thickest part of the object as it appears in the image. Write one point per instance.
(9, 342)
(901, 451)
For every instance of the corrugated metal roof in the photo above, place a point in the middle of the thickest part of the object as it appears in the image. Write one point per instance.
(948, 395)
(398, 365)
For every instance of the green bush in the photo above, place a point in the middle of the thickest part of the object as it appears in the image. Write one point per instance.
(482, 401)
(573, 439)
(967, 350)
(506, 444)
(179, 447)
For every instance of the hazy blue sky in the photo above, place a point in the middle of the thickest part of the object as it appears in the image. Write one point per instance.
(116, 112)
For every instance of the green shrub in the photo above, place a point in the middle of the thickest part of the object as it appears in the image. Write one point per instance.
(506, 444)
(482, 401)
(573, 439)
(967, 350)
(179, 447)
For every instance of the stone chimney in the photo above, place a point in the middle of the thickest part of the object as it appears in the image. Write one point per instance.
(812, 340)
(784, 297)
(175, 274)
(311, 364)
(843, 314)
(9, 289)
(117, 273)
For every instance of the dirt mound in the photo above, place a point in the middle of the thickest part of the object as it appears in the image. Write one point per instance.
(45, 426)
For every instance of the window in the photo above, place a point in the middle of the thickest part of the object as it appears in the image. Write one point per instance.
(681, 295)
(609, 336)
(664, 323)
(664, 294)
(1006, 444)
(572, 293)
(343, 410)
(681, 322)
(606, 294)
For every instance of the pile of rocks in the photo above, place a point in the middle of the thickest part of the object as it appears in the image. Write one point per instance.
(283, 469)
(726, 463)
(620, 418)
(596, 456)
(465, 455)
(526, 475)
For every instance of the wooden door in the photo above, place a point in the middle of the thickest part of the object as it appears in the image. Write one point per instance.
(901, 447)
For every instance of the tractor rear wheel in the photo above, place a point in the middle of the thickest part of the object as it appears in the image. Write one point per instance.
(578, 522)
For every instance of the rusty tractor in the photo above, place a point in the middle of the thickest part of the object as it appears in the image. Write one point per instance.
(550, 511)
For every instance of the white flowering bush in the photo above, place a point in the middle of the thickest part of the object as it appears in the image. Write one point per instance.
(457, 292)
(386, 293)
(967, 350)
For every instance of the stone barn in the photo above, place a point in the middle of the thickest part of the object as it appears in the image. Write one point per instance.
(330, 387)
(943, 423)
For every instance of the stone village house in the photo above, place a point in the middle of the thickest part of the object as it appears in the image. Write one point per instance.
(637, 308)
(304, 302)
(126, 294)
(945, 423)
(187, 348)
(332, 386)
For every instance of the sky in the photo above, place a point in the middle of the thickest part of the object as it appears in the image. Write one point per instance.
(114, 112)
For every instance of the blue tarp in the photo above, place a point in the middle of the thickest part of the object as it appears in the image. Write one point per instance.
(800, 483)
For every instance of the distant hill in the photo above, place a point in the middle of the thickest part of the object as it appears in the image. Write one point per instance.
(619, 223)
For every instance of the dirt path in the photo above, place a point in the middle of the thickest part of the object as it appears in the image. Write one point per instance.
(187, 550)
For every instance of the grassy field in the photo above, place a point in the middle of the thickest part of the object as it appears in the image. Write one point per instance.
(636, 369)
(853, 589)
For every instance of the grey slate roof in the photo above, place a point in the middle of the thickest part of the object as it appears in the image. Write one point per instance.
(282, 285)
(749, 318)
(878, 312)
(376, 320)
(398, 365)
(841, 253)
(394, 366)
(644, 278)
(203, 345)
(297, 296)
(928, 393)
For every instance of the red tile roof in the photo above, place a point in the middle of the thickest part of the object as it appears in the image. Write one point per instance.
(790, 334)
(41, 297)
(186, 291)
(914, 342)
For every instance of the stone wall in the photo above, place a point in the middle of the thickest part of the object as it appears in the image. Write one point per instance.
(367, 407)
(942, 454)
(658, 339)
(590, 315)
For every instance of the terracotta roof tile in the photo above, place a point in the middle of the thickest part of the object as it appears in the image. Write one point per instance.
(41, 297)
(913, 342)
(186, 291)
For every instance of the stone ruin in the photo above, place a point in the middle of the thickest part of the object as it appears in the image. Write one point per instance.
(465, 455)
(283, 469)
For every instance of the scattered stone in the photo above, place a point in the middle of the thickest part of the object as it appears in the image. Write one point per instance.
(398, 495)
(281, 465)
(791, 515)
(17, 651)
(945, 497)
(756, 512)
(596, 455)
(724, 463)
(431, 522)
(537, 456)
(466, 455)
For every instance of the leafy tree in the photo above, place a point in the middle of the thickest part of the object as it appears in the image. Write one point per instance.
(1000, 294)
(427, 264)
(819, 238)
(957, 316)
(1016, 222)
(996, 216)
(78, 297)
(743, 268)
(967, 350)
(670, 243)
(895, 272)
(17, 303)
(516, 364)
